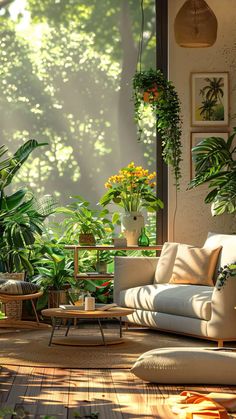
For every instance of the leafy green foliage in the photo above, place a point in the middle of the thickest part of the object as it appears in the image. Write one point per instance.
(21, 215)
(215, 164)
(66, 77)
(53, 270)
(224, 273)
(81, 218)
(164, 102)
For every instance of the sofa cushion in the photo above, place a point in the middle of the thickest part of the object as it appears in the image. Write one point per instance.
(187, 366)
(15, 287)
(166, 262)
(228, 251)
(182, 300)
(194, 265)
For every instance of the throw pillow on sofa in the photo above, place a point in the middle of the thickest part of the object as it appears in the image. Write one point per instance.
(194, 265)
(187, 366)
(166, 262)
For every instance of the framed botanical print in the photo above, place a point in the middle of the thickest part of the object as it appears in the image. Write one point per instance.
(196, 138)
(210, 99)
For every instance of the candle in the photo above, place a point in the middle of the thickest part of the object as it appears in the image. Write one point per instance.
(89, 303)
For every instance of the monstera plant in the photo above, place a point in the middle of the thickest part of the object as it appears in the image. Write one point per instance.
(21, 214)
(215, 164)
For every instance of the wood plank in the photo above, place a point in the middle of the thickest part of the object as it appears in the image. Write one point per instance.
(103, 395)
(114, 394)
(130, 395)
(19, 385)
(7, 376)
(78, 392)
(53, 397)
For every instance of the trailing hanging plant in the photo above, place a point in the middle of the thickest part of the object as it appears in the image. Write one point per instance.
(151, 88)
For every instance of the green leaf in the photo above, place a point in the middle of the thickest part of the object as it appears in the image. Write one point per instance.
(115, 217)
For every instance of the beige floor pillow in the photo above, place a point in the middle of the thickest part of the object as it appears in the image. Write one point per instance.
(187, 366)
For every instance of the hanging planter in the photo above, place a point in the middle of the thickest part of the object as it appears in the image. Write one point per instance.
(151, 88)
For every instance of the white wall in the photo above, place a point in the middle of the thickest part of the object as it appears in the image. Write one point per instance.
(193, 217)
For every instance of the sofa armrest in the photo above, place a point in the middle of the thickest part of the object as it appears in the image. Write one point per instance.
(223, 318)
(132, 272)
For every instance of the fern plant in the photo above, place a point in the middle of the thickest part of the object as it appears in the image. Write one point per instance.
(215, 164)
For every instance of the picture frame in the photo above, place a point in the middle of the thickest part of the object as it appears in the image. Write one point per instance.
(210, 99)
(196, 138)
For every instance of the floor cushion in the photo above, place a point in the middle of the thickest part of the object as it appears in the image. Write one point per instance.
(187, 366)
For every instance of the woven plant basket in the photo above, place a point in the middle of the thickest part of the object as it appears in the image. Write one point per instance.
(13, 309)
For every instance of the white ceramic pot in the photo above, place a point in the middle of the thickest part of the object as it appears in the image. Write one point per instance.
(131, 225)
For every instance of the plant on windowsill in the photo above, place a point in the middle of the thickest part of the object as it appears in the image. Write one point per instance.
(224, 273)
(152, 89)
(215, 164)
(133, 189)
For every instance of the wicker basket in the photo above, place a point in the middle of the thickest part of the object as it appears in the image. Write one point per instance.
(13, 309)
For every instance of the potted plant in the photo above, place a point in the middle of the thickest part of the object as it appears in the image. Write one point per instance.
(84, 224)
(54, 273)
(133, 189)
(152, 89)
(103, 259)
(215, 163)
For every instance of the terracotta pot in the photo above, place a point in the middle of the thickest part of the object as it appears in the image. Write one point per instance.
(151, 94)
(87, 239)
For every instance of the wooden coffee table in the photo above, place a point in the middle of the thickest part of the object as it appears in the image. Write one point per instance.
(59, 314)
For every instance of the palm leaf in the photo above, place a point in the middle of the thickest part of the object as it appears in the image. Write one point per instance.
(12, 201)
(20, 157)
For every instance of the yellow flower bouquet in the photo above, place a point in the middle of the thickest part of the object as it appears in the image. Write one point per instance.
(133, 188)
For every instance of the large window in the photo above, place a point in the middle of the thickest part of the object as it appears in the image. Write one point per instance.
(66, 71)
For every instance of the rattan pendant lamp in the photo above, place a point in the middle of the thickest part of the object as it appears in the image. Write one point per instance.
(195, 25)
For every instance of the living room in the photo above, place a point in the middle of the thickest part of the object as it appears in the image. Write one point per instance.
(68, 70)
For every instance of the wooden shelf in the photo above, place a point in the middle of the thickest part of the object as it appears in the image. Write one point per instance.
(110, 247)
(94, 276)
(77, 248)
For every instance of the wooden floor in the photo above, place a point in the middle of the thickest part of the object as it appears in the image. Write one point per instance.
(70, 393)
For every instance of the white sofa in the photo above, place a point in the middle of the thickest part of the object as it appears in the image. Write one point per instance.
(142, 283)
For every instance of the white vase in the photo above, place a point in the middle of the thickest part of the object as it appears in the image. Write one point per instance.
(131, 225)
